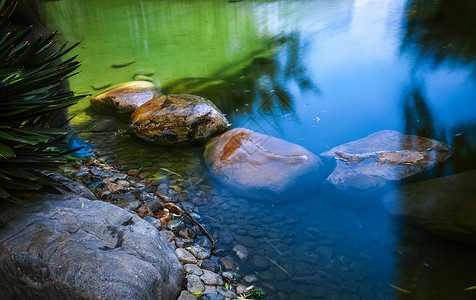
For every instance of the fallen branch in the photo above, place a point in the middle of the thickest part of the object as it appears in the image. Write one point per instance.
(191, 218)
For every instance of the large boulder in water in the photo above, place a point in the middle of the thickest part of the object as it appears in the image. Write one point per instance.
(444, 205)
(178, 119)
(68, 247)
(262, 167)
(125, 98)
(366, 167)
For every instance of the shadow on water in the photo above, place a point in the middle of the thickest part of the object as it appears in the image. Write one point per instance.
(437, 33)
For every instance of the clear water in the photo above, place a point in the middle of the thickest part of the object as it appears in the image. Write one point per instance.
(317, 73)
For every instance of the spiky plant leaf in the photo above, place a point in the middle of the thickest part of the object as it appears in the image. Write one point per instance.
(30, 95)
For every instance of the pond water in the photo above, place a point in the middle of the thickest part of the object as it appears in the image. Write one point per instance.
(316, 73)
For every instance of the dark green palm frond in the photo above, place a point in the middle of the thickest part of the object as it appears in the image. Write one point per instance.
(31, 80)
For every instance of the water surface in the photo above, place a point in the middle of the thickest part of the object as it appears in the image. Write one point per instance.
(316, 73)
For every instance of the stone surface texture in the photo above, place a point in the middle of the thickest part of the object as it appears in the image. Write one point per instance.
(444, 205)
(125, 98)
(366, 167)
(178, 119)
(68, 247)
(262, 167)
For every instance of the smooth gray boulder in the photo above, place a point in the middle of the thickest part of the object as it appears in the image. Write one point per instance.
(445, 206)
(262, 167)
(68, 247)
(366, 167)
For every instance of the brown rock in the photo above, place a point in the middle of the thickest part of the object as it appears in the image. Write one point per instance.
(370, 165)
(173, 208)
(132, 172)
(262, 167)
(164, 216)
(125, 98)
(178, 119)
(144, 211)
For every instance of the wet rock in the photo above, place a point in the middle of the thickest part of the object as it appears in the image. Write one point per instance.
(143, 78)
(210, 296)
(366, 167)
(444, 205)
(185, 256)
(225, 237)
(144, 211)
(173, 208)
(192, 269)
(185, 295)
(125, 98)
(195, 285)
(175, 225)
(241, 251)
(183, 243)
(215, 89)
(226, 292)
(262, 167)
(133, 172)
(211, 278)
(169, 235)
(261, 263)
(154, 222)
(178, 119)
(199, 252)
(112, 253)
(209, 289)
(210, 265)
(227, 263)
(250, 279)
(164, 216)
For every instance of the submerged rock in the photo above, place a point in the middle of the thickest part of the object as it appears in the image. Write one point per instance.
(178, 119)
(262, 167)
(444, 205)
(125, 98)
(366, 167)
(69, 247)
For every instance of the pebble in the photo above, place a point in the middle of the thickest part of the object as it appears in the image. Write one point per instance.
(199, 252)
(185, 295)
(132, 172)
(164, 216)
(211, 278)
(241, 289)
(108, 180)
(144, 211)
(174, 225)
(210, 296)
(185, 256)
(169, 235)
(173, 208)
(194, 284)
(261, 263)
(156, 223)
(120, 176)
(210, 265)
(231, 276)
(183, 243)
(227, 263)
(192, 269)
(241, 251)
(123, 183)
(226, 292)
(210, 289)
(225, 237)
(250, 279)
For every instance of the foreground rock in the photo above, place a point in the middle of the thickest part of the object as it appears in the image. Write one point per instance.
(70, 247)
(178, 119)
(262, 167)
(125, 98)
(445, 205)
(366, 167)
